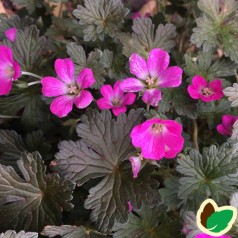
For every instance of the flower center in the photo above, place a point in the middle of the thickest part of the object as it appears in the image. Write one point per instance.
(150, 81)
(157, 128)
(116, 102)
(9, 71)
(207, 91)
(73, 89)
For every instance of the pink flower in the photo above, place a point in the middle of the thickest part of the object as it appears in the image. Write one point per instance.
(11, 34)
(202, 235)
(207, 92)
(136, 164)
(158, 138)
(115, 99)
(9, 70)
(67, 89)
(151, 75)
(225, 128)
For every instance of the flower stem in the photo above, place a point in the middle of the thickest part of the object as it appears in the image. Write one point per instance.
(33, 83)
(8, 117)
(31, 74)
(148, 107)
(195, 134)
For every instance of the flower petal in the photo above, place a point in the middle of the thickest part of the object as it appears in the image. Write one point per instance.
(135, 164)
(6, 54)
(62, 105)
(222, 130)
(193, 92)
(158, 60)
(229, 120)
(65, 70)
(85, 78)
(52, 87)
(171, 77)
(199, 82)
(216, 85)
(107, 91)
(128, 98)
(83, 99)
(103, 104)
(117, 90)
(152, 97)
(138, 66)
(118, 110)
(17, 70)
(11, 34)
(5, 86)
(131, 85)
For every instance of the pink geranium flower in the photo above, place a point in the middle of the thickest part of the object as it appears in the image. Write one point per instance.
(136, 164)
(158, 138)
(11, 34)
(67, 89)
(207, 92)
(151, 75)
(202, 235)
(115, 99)
(9, 70)
(225, 128)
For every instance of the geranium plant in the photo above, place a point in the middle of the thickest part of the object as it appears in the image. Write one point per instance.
(118, 117)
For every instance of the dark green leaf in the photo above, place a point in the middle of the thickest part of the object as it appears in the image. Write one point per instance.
(14, 21)
(35, 199)
(144, 38)
(67, 231)
(12, 145)
(100, 18)
(30, 5)
(217, 26)
(210, 174)
(204, 65)
(170, 192)
(27, 48)
(180, 101)
(151, 223)
(102, 152)
(79, 57)
(21, 234)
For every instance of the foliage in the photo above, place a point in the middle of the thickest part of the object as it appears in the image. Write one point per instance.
(102, 152)
(43, 157)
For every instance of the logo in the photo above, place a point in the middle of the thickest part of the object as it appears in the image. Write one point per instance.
(213, 220)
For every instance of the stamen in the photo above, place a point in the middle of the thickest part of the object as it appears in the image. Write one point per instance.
(150, 81)
(157, 128)
(207, 91)
(72, 89)
(116, 102)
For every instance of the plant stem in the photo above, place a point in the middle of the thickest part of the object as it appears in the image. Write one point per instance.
(31, 74)
(33, 83)
(147, 107)
(8, 117)
(195, 134)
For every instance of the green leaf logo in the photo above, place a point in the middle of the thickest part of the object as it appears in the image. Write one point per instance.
(214, 220)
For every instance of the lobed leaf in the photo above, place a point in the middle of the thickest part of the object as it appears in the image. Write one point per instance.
(210, 174)
(34, 199)
(144, 37)
(102, 152)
